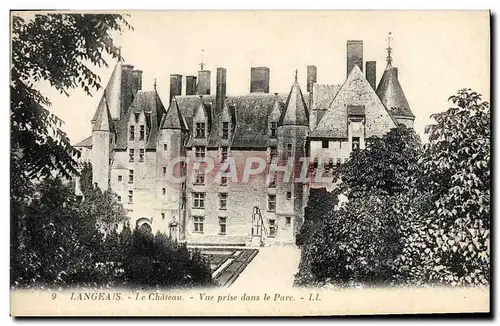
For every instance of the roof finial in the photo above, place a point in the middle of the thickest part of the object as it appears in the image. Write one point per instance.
(154, 85)
(389, 49)
(296, 71)
(202, 64)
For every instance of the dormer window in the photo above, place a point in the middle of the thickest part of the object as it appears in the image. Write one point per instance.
(225, 130)
(274, 126)
(136, 117)
(141, 132)
(200, 130)
(132, 133)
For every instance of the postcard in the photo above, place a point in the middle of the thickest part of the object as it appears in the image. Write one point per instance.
(250, 163)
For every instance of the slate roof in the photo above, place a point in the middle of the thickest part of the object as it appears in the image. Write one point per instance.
(150, 103)
(87, 142)
(112, 92)
(250, 115)
(323, 95)
(103, 121)
(391, 94)
(295, 112)
(173, 119)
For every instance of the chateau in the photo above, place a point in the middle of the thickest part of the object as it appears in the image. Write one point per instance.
(190, 167)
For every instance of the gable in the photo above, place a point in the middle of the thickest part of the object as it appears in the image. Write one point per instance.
(354, 94)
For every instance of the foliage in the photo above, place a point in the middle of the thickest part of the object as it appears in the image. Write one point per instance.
(385, 165)
(158, 260)
(65, 244)
(455, 175)
(61, 50)
(416, 214)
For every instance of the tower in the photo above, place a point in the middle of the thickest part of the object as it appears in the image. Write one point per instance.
(293, 128)
(170, 166)
(103, 135)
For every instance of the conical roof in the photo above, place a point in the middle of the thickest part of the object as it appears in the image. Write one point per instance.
(295, 112)
(173, 119)
(113, 92)
(103, 120)
(391, 94)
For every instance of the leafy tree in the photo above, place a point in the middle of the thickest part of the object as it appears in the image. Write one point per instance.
(62, 50)
(385, 166)
(360, 241)
(454, 230)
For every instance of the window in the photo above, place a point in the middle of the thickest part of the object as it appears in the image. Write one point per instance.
(223, 181)
(119, 199)
(315, 165)
(200, 130)
(163, 191)
(272, 182)
(164, 170)
(200, 177)
(200, 152)
(272, 152)
(130, 176)
(130, 196)
(272, 228)
(132, 133)
(225, 130)
(199, 200)
(288, 150)
(141, 132)
(120, 178)
(162, 216)
(223, 200)
(324, 143)
(131, 155)
(95, 185)
(198, 223)
(141, 155)
(165, 147)
(330, 164)
(274, 126)
(288, 220)
(288, 195)
(222, 225)
(326, 167)
(136, 117)
(338, 163)
(223, 154)
(271, 203)
(355, 143)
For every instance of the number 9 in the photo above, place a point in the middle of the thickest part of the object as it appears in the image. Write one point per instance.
(54, 296)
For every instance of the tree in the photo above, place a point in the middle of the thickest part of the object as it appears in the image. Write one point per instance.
(385, 166)
(454, 225)
(60, 49)
(358, 242)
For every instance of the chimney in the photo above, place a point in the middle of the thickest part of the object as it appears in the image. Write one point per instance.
(190, 85)
(354, 55)
(220, 91)
(127, 87)
(204, 82)
(311, 77)
(371, 73)
(395, 73)
(259, 80)
(137, 80)
(175, 85)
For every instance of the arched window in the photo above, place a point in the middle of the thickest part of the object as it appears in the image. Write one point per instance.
(145, 228)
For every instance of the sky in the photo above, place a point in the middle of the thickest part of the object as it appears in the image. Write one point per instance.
(437, 53)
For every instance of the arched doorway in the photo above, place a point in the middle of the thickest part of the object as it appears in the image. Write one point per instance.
(144, 225)
(145, 228)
